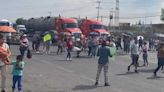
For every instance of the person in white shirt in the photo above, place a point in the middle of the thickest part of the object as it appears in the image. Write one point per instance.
(134, 56)
(4, 54)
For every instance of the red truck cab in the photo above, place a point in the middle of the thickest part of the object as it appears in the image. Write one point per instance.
(91, 27)
(67, 26)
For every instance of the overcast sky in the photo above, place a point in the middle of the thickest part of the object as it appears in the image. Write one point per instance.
(131, 9)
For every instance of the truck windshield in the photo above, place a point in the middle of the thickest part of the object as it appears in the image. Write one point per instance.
(96, 26)
(70, 25)
(4, 23)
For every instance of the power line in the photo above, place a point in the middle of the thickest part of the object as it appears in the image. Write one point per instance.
(136, 17)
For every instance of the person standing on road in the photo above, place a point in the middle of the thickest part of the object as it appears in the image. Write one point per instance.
(24, 43)
(103, 62)
(60, 46)
(145, 54)
(160, 56)
(140, 43)
(134, 56)
(69, 44)
(4, 53)
(17, 72)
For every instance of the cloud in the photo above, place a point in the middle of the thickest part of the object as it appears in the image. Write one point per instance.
(75, 8)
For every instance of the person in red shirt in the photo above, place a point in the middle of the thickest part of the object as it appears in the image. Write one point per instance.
(69, 44)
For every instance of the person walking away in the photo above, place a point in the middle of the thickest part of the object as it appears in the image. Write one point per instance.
(36, 42)
(24, 43)
(94, 46)
(4, 54)
(34, 39)
(47, 40)
(156, 43)
(140, 43)
(119, 43)
(17, 73)
(69, 44)
(89, 44)
(160, 56)
(134, 56)
(103, 62)
(145, 54)
(60, 46)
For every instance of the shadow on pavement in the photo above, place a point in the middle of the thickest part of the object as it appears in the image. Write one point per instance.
(84, 87)
(127, 73)
(146, 70)
(157, 77)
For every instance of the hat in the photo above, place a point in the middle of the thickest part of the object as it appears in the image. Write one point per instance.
(24, 35)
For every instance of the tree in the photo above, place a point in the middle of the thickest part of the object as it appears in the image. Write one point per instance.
(162, 14)
(21, 21)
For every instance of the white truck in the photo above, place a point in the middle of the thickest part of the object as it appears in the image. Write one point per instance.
(21, 28)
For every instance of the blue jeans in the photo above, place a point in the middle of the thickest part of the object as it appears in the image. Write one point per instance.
(23, 50)
(69, 53)
(18, 80)
(93, 49)
(160, 64)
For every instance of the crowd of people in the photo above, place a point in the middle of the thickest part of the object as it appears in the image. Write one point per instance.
(94, 47)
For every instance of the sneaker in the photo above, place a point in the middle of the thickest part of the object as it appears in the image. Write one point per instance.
(37, 52)
(70, 59)
(135, 71)
(155, 74)
(3, 91)
(106, 84)
(67, 59)
(96, 83)
(13, 90)
(128, 68)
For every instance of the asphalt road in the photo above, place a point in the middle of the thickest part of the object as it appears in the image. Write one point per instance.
(52, 73)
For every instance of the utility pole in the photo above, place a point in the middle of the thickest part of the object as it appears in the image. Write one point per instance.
(101, 18)
(111, 18)
(98, 9)
(117, 13)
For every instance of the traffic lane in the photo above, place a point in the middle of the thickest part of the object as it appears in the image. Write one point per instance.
(88, 69)
(49, 76)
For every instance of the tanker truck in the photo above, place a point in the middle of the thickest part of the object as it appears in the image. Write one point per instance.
(64, 26)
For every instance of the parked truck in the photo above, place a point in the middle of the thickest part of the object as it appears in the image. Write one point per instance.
(65, 26)
(92, 27)
(68, 26)
(21, 28)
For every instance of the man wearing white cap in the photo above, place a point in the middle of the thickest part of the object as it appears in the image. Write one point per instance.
(24, 43)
